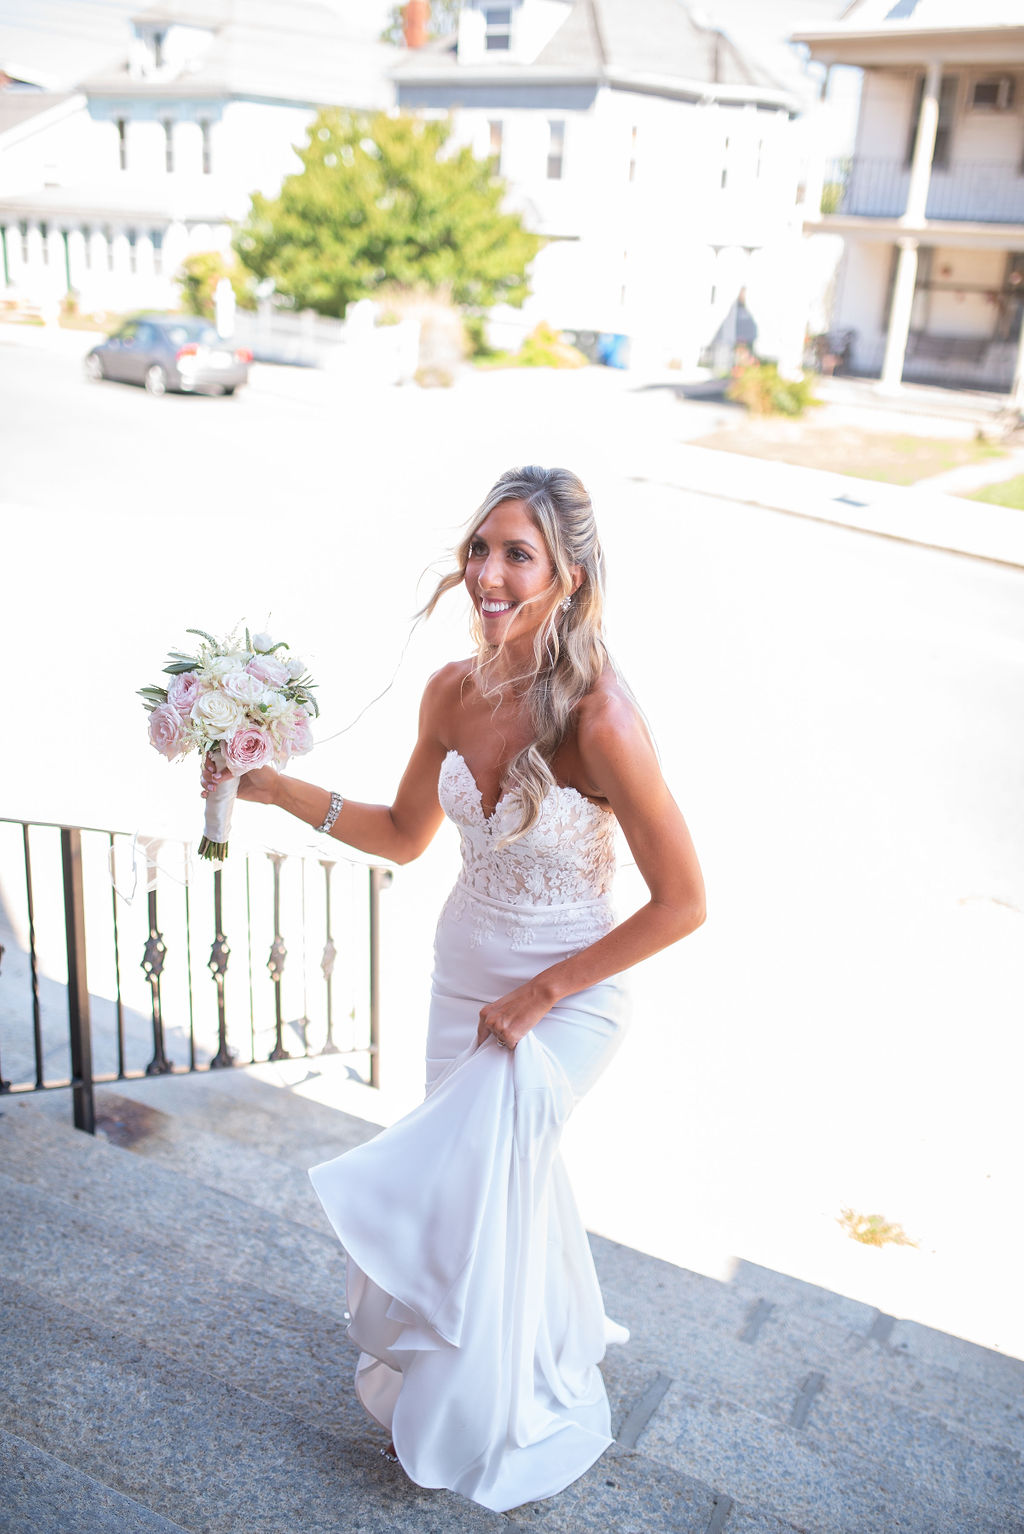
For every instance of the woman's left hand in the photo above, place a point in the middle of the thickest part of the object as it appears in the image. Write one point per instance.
(511, 1017)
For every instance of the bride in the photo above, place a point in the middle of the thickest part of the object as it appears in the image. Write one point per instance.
(471, 1287)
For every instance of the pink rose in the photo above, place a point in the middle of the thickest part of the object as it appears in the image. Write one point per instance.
(269, 670)
(166, 730)
(298, 739)
(247, 749)
(244, 687)
(182, 691)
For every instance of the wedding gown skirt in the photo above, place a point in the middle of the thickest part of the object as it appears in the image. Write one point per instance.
(471, 1286)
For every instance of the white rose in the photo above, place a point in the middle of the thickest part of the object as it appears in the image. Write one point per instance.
(225, 665)
(276, 706)
(218, 714)
(262, 643)
(245, 689)
(296, 668)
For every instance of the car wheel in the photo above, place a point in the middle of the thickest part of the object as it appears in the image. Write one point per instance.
(94, 369)
(156, 381)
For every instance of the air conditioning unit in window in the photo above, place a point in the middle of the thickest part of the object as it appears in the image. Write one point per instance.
(993, 93)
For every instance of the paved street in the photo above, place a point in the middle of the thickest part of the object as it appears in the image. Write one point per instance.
(839, 714)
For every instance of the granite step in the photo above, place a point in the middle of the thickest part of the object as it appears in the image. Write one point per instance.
(253, 1112)
(197, 1451)
(830, 1489)
(42, 1495)
(213, 1230)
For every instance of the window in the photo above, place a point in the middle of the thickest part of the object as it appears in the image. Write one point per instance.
(632, 156)
(108, 235)
(122, 143)
(204, 128)
(44, 240)
(168, 144)
(156, 239)
(133, 250)
(158, 50)
(495, 134)
(725, 168)
(23, 235)
(87, 247)
(994, 93)
(556, 148)
(498, 28)
(944, 131)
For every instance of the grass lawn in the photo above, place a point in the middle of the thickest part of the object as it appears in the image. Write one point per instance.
(1009, 493)
(895, 459)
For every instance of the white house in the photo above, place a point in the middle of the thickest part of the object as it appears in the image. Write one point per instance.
(106, 189)
(931, 205)
(659, 162)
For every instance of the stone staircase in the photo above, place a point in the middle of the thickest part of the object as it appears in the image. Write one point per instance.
(174, 1359)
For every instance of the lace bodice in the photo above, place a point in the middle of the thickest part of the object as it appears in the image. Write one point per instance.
(567, 856)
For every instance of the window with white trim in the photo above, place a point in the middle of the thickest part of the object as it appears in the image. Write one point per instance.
(168, 144)
(556, 148)
(205, 130)
(993, 93)
(495, 135)
(497, 28)
(122, 143)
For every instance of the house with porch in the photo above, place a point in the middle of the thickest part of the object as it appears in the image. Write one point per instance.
(106, 188)
(931, 203)
(658, 160)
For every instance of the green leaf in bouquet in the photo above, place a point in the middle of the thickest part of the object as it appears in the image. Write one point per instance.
(179, 667)
(248, 641)
(281, 645)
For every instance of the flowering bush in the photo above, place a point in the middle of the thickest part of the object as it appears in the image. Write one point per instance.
(244, 704)
(761, 387)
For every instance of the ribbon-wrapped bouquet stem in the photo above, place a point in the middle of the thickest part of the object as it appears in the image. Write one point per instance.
(243, 705)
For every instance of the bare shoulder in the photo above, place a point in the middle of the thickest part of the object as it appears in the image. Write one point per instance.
(443, 695)
(608, 718)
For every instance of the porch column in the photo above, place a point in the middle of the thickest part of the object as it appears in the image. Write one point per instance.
(924, 146)
(899, 317)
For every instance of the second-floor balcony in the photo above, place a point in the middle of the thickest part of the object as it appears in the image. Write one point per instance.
(973, 191)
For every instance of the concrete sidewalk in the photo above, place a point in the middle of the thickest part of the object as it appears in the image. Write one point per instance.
(914, 514)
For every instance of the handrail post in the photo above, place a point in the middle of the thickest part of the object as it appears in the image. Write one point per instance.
(380, 878)
(78, 984)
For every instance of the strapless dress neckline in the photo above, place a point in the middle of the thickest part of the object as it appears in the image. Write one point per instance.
(512, 793)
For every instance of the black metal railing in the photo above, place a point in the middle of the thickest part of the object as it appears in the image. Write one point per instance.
(71, 910)
(976, 191)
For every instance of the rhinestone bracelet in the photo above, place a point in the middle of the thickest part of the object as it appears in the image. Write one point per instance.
(332, 814)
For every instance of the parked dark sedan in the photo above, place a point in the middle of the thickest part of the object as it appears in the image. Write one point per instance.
(170, 351)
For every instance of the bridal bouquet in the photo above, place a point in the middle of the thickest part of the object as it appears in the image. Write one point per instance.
(241, 704)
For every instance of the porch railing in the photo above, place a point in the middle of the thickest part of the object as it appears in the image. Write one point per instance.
(975, 191)
(76, 1009)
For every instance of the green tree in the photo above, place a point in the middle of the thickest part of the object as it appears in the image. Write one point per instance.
(386, 200)
(444, 20)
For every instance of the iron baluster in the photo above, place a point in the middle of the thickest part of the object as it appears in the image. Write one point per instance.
(37, 1025)
(327, 960)
(380, 878)
(117, 963)
(78, 984)
(153, 964)
(218, 965)
(248, 936)
(188, 969)
(275, 964)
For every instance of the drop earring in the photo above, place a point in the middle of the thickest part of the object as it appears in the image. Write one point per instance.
(566, 604)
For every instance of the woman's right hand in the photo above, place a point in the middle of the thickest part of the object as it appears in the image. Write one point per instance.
(259, 786)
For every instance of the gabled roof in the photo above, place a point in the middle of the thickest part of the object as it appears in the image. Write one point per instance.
(652, 37)
(654, 45)
(909, 31)
(280, 50)
(30, 110)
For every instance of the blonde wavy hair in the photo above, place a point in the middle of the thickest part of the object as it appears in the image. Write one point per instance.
(569, 652)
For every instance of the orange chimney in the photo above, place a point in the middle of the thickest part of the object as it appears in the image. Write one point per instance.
(415, 20)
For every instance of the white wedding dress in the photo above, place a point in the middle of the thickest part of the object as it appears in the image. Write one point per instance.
(471, 1287)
